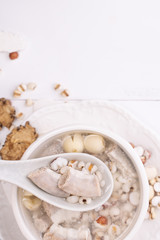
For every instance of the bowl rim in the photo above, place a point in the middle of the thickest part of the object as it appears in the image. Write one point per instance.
(106, 133)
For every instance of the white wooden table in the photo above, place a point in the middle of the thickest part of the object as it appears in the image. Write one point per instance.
(96, 49)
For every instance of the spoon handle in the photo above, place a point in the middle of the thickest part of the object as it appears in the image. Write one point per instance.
(15, 171)
(11, 171)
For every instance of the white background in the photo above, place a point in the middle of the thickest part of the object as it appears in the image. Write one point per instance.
(103, 49)
(97, 49)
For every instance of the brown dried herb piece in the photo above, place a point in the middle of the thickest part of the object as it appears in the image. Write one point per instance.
(18, 141)
(7, 113)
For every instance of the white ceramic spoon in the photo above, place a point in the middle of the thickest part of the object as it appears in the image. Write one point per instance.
(16, 172)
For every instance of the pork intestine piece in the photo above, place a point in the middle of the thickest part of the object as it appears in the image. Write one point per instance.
(47, 180)
(79, 183)
(59, 216)
(122, 161)
(57, 232)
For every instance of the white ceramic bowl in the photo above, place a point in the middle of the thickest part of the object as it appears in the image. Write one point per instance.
(22, 216)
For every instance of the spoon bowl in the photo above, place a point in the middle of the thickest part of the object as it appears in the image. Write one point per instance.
(16, 172)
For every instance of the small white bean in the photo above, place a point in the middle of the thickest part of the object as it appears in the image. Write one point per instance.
(152, 181)
(83, 200)
(72, 199)
(155, 201)
(114, 230)
(139, 150)
(87, 165)
(157, 187)
(114, 211)
(129, 220)
(94, 169)
(147, 154)
(117, 185)
(81, 164)
(121, 179)
(88, 200)
(124, 197)
(63, 169)
(54, 166)
(134, 187)
(134, 198)
(73, 163)
(58, 163)
(127, 207)
(126, 188)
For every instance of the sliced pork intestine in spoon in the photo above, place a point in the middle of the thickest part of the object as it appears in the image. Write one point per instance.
(79, 183)
(58, 232)
(47, 180)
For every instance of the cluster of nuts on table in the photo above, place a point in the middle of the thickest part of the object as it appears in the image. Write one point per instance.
(154, 191)
(63, 92)
(32, 86)
(22, 88)
(153, 180)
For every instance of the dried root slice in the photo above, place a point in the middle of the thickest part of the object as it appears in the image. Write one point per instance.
(79, 184)
(18, 141)
(47, 180)
(32, 203)
(7, 113)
